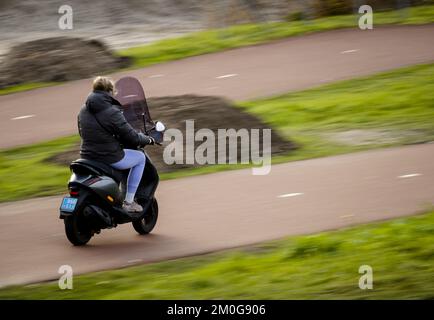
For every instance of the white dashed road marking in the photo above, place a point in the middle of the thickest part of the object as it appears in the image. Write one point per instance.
(349, 51)
(347, 216)
(227, 76)
(24, 117)
(156, 76)
(58, 235)
(134, 261)
(411, 175)
(211, 88)
(326, 80)
(287, 195)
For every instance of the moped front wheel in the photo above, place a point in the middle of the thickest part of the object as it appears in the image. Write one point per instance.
(149, 220)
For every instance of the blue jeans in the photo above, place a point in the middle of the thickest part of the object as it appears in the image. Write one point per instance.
(134, 160)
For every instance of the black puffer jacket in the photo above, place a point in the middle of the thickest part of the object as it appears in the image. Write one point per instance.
(104, 141)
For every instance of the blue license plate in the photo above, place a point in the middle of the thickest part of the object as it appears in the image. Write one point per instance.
(68, 204)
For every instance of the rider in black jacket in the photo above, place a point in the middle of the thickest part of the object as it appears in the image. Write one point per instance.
(104, 134)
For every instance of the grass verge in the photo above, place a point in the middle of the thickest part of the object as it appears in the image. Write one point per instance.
(320, 266)
(209, 41)
(25, 174)
(216, 40)
(387, 109)
(25, 87)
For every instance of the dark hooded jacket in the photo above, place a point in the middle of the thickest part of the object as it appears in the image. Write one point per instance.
(104, 130)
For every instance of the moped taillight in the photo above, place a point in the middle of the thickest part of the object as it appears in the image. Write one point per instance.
(73, 193)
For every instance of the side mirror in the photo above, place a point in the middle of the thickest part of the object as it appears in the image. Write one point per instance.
(159, 126)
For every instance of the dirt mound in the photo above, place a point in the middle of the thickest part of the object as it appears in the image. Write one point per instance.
(207, 112)
(57, 59)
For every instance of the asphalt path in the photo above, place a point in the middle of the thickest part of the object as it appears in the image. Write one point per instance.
(225, 210)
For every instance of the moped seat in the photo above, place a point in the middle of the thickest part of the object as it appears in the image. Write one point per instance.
(96, 167)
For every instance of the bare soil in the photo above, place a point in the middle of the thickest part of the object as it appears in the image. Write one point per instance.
(57, 59)
(126, 23)
(33, 48)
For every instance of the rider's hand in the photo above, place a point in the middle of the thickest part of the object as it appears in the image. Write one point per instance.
(145, 140)
(152, 141)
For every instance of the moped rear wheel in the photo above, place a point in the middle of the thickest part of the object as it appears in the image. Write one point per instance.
(149, 220)
(76, 230)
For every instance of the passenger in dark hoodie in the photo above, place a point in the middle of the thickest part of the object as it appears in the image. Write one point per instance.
(104, 131)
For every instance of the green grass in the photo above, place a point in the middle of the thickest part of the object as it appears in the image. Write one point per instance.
(216, 40)
(400, 103)
(209, 41)
(25, 87)
(25, 174)
(320, 266)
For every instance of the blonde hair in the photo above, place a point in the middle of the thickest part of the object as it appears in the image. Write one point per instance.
(103, 84)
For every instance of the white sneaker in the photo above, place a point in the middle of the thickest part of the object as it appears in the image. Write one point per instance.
(132, 207)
